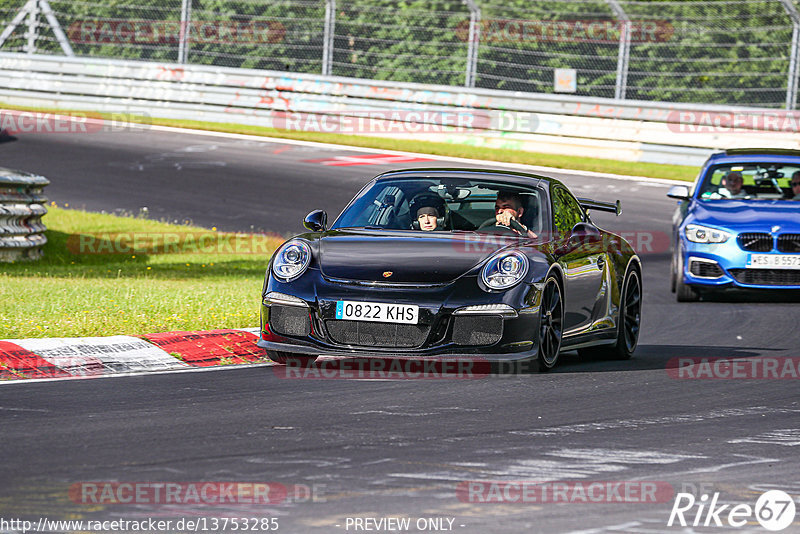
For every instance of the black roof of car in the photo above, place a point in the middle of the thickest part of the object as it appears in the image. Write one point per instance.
(758, 151)
(437, 172)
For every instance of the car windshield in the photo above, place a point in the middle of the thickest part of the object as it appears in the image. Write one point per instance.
(751, 181)
(455, 204)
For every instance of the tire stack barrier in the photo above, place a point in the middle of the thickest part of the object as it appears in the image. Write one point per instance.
(22, 206)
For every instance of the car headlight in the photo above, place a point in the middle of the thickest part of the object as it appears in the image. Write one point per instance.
(504, 270)
(291, 260)
(702, 234)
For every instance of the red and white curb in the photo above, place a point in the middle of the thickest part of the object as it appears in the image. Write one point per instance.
(106, 356)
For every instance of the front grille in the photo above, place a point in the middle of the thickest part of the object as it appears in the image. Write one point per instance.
(289, 320)
(369, 334)
(767, 277)
(477, 329)
(789, 242)
(755, 242)
(705, 269)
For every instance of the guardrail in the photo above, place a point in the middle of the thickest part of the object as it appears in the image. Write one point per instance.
(595, 127)
(21, 210)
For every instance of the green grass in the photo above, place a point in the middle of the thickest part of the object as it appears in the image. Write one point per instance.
(653, 170)
(73, 293)
(584, 162)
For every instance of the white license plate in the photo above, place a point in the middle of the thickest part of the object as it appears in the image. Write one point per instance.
(772, 261)
(377, 311)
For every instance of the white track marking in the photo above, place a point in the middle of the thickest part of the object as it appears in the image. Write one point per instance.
(87, 356)
(495, 164)
(789, 437)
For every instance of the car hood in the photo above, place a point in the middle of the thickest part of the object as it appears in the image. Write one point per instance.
(748, 215)
(401, 257)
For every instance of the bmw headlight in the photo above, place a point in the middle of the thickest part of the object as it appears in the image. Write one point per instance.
(702, 234)
(504, 270)
(291, 260)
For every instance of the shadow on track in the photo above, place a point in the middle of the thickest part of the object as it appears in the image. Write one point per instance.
(652, 357)
(751, 295)
(646, 358)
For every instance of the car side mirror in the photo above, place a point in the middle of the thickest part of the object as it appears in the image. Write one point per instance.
(583, 233)
(678, 192)
(316, 221)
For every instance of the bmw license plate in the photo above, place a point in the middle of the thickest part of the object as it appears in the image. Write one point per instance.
(772, 261)
(377, 311)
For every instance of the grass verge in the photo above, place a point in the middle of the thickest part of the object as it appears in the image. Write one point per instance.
(582, 162)
(162, 277)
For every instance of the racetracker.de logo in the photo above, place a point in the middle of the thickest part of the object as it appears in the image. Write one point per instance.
(191, 242)
(530, 492)
(383, 368)
(23, 122)
(206, 493)
(709, 368)
(729, 122)
(642, 241)
(565, 31)
(140, 32)
(382, 122)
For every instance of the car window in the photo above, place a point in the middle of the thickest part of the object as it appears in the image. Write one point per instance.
(752, 181)
(567, 212)
(467, 205)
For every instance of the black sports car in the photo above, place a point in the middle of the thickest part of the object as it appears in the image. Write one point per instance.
(417, 266)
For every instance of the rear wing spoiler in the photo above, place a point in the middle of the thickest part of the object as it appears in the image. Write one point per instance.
(611, 207)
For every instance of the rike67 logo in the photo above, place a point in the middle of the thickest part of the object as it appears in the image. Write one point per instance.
(774, 510)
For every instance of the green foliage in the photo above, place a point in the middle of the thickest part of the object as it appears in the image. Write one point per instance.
(714, 51)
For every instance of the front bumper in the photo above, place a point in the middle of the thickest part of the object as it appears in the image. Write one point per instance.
(725, 265)
(310, 327)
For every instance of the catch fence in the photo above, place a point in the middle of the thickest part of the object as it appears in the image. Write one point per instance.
(731, 52)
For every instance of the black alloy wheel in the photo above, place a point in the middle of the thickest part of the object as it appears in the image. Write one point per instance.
(551, 322)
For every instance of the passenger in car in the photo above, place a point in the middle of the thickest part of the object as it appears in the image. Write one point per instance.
(429, 212)
(796, 185)
(426, 217)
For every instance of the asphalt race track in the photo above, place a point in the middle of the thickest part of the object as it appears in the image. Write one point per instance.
(380, 449)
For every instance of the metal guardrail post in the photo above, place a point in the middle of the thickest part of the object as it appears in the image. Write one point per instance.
(791, 84)
(624, 54)
(44, 5)
(16, 21)
(21, 210)
(33, 31)
(474, 42)
(183, 40)
(328, 34)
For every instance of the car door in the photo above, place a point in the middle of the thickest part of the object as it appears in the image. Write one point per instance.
(583, 259)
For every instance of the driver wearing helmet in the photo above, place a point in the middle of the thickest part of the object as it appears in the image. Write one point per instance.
(428, 212)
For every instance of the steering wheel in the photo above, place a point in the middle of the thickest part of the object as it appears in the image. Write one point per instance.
(499, 229)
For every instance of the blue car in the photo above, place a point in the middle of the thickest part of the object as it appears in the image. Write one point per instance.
(739, 226)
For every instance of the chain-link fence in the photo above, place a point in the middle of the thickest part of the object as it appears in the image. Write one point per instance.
(738, 52)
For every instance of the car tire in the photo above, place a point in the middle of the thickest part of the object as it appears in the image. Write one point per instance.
(551, 324)
(283, 357)
(673, 273)
(685, 292)
(630, 320)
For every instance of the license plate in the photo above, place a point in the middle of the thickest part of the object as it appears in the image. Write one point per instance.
(377, 311)
(772, 261)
